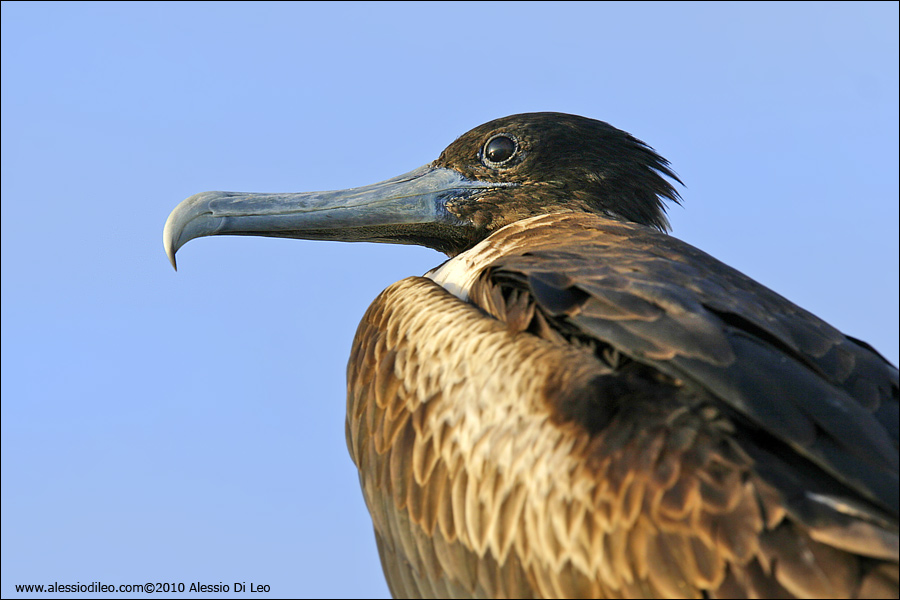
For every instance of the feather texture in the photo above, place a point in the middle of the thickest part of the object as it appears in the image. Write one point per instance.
(556, 434)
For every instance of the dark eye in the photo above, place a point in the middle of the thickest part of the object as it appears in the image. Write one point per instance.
(499, 149)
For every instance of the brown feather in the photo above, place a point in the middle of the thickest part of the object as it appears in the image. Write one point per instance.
(506, 472)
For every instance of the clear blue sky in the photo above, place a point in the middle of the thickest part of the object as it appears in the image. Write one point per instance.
(188, 427)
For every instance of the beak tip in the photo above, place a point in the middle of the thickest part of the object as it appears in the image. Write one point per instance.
(192, 218)
(169, 239)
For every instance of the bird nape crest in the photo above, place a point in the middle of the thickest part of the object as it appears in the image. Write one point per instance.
(565, 163)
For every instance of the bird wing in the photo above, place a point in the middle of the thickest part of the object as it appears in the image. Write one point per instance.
(658, 425)
(817, 411)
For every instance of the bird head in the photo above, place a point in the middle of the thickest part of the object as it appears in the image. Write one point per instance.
(498, 173)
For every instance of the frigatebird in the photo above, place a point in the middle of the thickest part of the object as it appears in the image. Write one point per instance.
(578, 404)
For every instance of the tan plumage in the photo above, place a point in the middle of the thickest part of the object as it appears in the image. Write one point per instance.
(579, 405)
(478, 488)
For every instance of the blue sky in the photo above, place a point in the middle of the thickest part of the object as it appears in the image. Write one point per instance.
(188, 427)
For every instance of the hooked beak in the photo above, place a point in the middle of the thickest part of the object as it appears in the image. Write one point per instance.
(409, 209)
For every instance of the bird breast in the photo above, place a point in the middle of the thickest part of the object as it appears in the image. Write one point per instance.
(477, 487)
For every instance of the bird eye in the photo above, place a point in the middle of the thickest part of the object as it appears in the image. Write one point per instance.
(499, 149)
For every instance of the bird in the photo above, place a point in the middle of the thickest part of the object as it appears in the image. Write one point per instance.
(578, 404)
